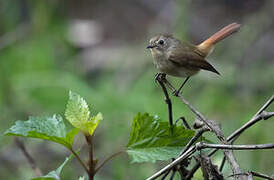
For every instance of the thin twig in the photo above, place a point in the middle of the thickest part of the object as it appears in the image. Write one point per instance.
(252, 173)
(253, 120)
(209, 170)
(261, 175)
(256, 118)
(188, 153)
(222, 164)
(198, 134)
(202, 145)
(172, 174)
(160, 79)
(106, 160)
(193, 109)
(230, 157)
(193, 170)
(184, 122)
(263, 115)
(29, 158)
(165, 174)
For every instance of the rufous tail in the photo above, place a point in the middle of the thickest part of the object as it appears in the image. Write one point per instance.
(207, 46)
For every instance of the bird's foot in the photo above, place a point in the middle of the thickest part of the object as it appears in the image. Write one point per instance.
(160, 77)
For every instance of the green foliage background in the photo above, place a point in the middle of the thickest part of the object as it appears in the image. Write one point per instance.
(38, 68)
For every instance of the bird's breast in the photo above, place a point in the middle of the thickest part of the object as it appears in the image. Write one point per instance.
(164, 65)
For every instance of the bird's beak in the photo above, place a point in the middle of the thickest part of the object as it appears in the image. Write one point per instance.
(151, 47)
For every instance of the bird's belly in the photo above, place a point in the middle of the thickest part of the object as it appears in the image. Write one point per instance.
(170, 68)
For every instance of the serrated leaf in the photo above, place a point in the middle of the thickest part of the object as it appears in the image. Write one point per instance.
(78, 114)
(55, 174)
(152, 139)
(44, 127)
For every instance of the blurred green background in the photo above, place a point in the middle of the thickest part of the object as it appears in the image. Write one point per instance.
(97, 49)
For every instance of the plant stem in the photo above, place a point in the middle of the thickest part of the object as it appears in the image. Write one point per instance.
(79, 159)
(106, 160)
(91, 171)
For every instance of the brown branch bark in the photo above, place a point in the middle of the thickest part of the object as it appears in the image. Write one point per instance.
(260, 114)
(228, 153)
(161, 78)
(187, 154)
(91, 163)
(201, 145)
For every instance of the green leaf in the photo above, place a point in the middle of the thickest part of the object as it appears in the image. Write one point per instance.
(152, 139)
(78, 114)
(47, 128)
(55, 174)
(82, 178)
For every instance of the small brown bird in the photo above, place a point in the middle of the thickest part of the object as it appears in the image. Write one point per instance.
(181, 59)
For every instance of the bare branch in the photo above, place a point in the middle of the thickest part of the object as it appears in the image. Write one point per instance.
(161, 78)
(184, 122)
(256, 118)
(209, 170)
(250, 175)
(201, 145)
(263, 116)
(193, 170)
(173, 174)
(188, 153)
(261, 175)
(216, 130)
(222, 164)
(196, 112)
(198, 134)
(165, 175)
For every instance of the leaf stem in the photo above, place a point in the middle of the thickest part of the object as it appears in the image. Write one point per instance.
(79, 159)
(106, 160)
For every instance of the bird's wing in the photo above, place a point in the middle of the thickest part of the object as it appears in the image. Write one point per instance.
(189, 57)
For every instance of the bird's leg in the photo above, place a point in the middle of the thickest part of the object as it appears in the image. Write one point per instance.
(176, 92)
(160, 77)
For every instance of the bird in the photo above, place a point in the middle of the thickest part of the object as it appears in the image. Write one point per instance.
(182, 59)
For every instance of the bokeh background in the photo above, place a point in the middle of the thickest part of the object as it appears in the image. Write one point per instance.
(97, 49)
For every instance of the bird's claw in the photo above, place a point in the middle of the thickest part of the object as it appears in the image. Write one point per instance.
(160, 77)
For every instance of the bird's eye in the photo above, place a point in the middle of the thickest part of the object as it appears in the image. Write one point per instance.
(161, 42)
